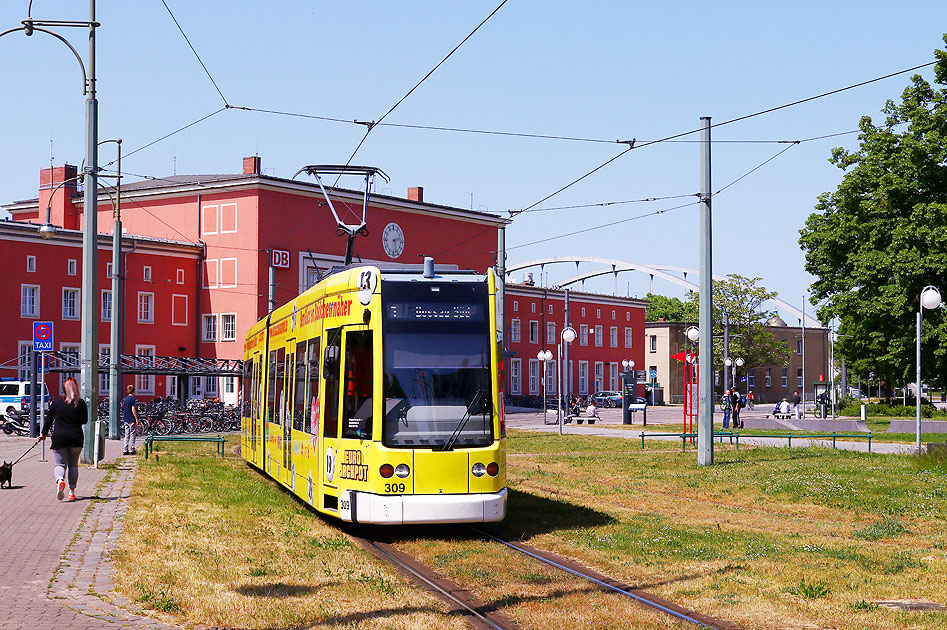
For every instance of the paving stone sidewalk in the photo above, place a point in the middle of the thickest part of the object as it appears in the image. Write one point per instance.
(55, 566)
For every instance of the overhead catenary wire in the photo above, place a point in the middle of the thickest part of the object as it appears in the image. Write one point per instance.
(166, 136)
(193, 50)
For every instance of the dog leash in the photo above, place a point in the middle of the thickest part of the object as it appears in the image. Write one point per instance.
(25, 454)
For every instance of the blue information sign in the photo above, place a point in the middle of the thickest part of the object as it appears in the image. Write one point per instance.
(654, 374)
(43, 336)
(743, 379)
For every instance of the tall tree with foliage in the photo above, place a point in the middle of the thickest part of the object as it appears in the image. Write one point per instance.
(742, 299)
(670, 309)
(881, 237)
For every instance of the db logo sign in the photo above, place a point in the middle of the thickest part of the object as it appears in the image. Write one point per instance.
(279, 259)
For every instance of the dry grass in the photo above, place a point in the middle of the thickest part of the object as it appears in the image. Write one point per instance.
(211, 542)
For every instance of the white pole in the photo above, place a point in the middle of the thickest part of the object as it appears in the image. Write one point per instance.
(559, 388)
(917, 398)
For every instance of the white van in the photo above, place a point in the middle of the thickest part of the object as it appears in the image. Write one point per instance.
(15, 395)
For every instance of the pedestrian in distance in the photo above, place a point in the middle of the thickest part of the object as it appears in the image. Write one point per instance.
(130, 417)
(797, 405)
(735, 404)
(65, 418)
(784, 407)
(726, 409)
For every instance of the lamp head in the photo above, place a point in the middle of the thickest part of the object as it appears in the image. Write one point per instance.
(568, 334)
(47, 230)
(930, 297)
(693, 333)
(728, 361)
(739, 361)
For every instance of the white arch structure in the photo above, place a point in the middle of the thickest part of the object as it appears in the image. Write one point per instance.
(665, 272)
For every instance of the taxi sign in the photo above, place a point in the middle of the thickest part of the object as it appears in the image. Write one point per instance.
(43, 336)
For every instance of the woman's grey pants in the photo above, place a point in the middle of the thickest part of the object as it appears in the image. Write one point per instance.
(129, 437)
(67, 460)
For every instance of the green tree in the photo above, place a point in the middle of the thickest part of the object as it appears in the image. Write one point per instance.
(670, 309)
(742, 299)
(880, 237)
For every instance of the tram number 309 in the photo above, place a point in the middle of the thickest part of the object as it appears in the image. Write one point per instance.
(394, 487)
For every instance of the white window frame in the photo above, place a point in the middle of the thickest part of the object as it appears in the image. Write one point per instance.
(534, 381)
(613, 336)
(220, 220)
(550, 377)
(550, 332)
(75, 310)
(180, 276)
(108, 271)
(599, 335)
(150, 315)
(514, 331)
(31, 264)
(533, 306)
(105, 305)
(210, 387)
(146, 273)
(105, 375)
(613, 314)
(654, 343)
(230, 384)
(534, 331)
(223, 327)
(768, 378)
(175, 299)
(71, 267)
(599, 376)
(583, 334)
(784, 377)
(515, 376)
(629, 337)
(220, 272)
(171, 386)
(798, 346)
(583, 311)
(583, 377)
(76, 349)
(205, 223)
(799, 382)
(627, 316)
(34, 312)
(145, 383)
(206, 318)
(24, 348)
(613, 377)
(598, 313)
(206, 280)
(751, 378)
(550, 309)
(516, 305)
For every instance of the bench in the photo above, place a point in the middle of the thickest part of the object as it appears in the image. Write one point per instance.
(780, 416)
(151, 439)
(579, 419)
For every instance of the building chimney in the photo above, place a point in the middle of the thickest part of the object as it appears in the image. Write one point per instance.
(251, 165)
(58, 197)
(416, 193)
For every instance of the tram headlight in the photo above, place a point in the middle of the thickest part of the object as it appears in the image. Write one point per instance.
(493, 469)
(478, 470)
(386, 471)
(402, 471)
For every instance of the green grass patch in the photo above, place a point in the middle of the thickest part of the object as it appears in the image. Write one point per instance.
(809, 589)
(887, 528)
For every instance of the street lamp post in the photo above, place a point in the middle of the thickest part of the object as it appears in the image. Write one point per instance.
(930, 299)
(544, 356)
(566, 337)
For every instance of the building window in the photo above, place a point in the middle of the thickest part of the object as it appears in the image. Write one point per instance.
(583, 335)
(653, 347)
(533, 331)
(29, 300)
(550, 333)
(145, 383)
(599, 336)
(108, 270)
(628, 338)
(146, 314)
(515, 331)
(70, 351)
(70, 303)
(196, 386)
(583, 377)
(31, 263)
(105, 354)
(613, 336)
(751, 378)
(598, 313)
(613, 314)
(550, 309)
(210, 386)
(599, 376)
(784, 377)
(180, 276)
(533, 305)
(799, 377)
(106, 306)
(516, 305)
(652, 368)
(23, 360)
(146, 274)
(230, 384)
(583, 311)
(627, 316)
(550, 377)
(209, 328)
(613, 376)
(514, 376)
(768, 379)
(71, 266)
(228, 327)
(799, 346)
(533, 377)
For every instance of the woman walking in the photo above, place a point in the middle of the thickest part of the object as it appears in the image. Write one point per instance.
(65, 417)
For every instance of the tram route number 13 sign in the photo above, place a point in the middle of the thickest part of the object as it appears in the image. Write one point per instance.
(279, 258)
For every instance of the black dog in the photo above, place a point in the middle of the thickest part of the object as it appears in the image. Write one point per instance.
(6, 474)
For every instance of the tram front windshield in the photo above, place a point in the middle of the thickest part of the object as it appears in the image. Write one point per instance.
(437, 365)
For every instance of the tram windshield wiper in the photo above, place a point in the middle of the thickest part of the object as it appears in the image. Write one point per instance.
(477, 399)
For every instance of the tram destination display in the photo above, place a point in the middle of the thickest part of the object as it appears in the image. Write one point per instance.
(434, 311)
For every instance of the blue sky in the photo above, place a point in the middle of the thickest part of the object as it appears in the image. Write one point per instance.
(597, 70)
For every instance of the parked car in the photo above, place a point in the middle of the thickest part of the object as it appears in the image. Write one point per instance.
(613, 399)
(15, 395)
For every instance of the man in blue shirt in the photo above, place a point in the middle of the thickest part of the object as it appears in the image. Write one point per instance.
(130, 417)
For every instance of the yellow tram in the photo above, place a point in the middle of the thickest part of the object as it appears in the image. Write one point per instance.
(374, 396)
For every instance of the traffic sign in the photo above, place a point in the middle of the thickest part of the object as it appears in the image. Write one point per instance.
(654, 374)
(743, 379)
(43, 336)
(42, 366)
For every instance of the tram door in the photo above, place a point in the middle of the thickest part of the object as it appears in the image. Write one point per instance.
(289, 373)
(331, 376)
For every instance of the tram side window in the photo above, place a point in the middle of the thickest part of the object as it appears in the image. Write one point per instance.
(357, 402)
(271, 388)
(312, 393)
(277, 416)
(299, 385)
(246, 388)
(331, 365)
(255, 392)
